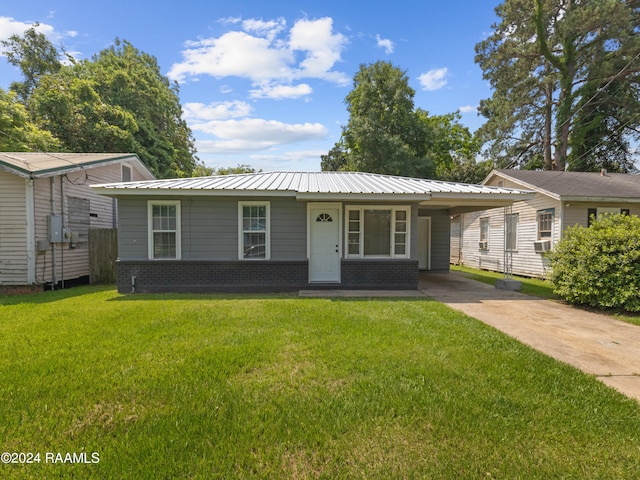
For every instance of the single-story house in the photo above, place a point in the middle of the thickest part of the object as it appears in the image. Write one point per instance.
(282, 231)
(534, 226)
(47, 209)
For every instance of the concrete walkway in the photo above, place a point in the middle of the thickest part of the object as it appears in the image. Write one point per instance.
(595, 343)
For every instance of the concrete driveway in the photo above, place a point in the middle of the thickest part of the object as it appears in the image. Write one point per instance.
(595, 343)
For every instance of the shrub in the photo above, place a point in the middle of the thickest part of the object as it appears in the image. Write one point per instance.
(599, 266)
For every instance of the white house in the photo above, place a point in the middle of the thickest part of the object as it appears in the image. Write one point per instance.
(533, 226)
(47, 210)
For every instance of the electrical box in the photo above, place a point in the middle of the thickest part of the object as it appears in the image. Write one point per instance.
(43, 245)
(54, 228)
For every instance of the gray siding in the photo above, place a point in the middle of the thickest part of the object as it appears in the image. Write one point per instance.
(210, 228)
(440, 238)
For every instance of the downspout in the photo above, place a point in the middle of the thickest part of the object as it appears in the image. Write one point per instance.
(31, 231)
(53, 245)
(63, 229)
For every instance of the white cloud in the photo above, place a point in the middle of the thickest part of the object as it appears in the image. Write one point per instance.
(263, 53)
(9, 27)
(233, 54)
(323, 49)
(434, 79)
(279, 92)
(468, 109)
(385, 44)
(261, 28)
(246, 135)
(216, 111)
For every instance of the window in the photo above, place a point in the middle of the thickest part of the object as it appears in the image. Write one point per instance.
(164, 230)
(484, 233)
(545, 223)
(511, 232)
(378, 232)
(595, 213)
(254, 242)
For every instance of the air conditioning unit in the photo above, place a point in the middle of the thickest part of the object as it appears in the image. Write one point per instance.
(483, 245)
(542, 246)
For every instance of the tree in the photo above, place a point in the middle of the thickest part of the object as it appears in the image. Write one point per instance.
(552, 64)
(17, 133)
(131, 80)
(118, 101)
(453, 148)
(384, 134)
(336, 159)
(202, 170)
(34, 55)
(387, 134)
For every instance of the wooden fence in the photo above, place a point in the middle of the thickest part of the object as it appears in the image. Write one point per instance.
(103, 252)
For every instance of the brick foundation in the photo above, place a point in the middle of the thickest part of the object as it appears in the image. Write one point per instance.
(258, 276)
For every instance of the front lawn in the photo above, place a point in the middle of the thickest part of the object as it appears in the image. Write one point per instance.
(187, 386)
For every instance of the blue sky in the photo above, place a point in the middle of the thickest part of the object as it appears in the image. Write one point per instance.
(263, 83)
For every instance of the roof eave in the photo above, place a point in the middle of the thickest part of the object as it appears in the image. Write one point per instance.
(182, 192)
(581, 198)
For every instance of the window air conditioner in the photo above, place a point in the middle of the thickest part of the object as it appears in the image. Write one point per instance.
(483, 245)
(542, 246)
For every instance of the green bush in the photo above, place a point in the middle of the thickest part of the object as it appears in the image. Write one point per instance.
(599, 266)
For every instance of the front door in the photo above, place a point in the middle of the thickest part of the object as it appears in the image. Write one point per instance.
(324, 245)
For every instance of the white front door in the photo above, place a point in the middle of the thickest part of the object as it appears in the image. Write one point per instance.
(324, 244)
(424, 243)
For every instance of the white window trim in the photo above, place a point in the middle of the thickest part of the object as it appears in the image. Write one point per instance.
(267, 240)
(150, 229)
(394, 209)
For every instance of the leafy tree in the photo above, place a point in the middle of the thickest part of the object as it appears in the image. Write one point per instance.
(131, 80)
(387, 134)
(562, 71)
(34, 55)
(118, 101)
(68, 105)
(384, 134)
(336, 159)
(202, 170)
(599, 266)
(17, 132)
(452, 147)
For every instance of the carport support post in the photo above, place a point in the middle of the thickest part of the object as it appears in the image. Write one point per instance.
(507, 283)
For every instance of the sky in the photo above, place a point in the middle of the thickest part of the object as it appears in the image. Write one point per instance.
(263, 83)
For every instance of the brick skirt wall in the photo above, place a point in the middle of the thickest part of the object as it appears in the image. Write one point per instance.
(258, 276)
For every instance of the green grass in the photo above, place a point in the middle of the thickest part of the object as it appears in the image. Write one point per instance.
(530, 286)
(187, 386)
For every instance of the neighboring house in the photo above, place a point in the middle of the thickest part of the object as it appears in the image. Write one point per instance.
(285, 231)
(534, 226)
(47, 209)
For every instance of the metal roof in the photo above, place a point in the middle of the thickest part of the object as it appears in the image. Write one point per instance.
(45, 164)
(576, 185)
(301, 183)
